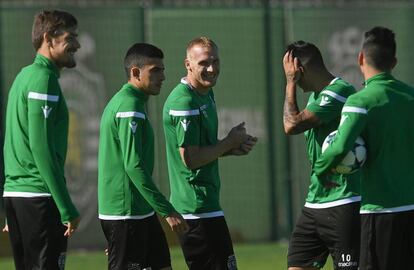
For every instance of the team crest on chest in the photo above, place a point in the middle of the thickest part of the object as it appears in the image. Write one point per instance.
(133, 126)
(46, 110)
(185, 123)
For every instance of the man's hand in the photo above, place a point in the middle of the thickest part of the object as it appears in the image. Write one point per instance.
(292, 68)
(237, 135)
(245, 147)
(177, 223)
(72, 226)
(5, 228)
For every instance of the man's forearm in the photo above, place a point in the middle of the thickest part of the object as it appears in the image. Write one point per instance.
(290, 108)
(144, 183)
(196, 156)
(295, 121)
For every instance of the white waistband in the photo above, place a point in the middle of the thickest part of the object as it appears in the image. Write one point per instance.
(203, 215)
(389, 210)
(115, 217)
(20, 194)
(334, 203)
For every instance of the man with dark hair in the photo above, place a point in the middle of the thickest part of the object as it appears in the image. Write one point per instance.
(382, 114)
(39, 211)
(193, 150)
(127, 194)
(329, 222)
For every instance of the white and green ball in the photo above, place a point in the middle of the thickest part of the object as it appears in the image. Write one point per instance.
(353, 160)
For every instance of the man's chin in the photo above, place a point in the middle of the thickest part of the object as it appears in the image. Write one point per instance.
(155, 92)
(71, 64)
(209, 83)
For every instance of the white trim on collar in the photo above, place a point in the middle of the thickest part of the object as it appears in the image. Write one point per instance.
(334, 80)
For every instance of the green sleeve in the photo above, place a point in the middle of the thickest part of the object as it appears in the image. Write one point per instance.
(42, 114)
(187, 129)
(185, 119)
(352, 123)
(130, 131)
(327, 106)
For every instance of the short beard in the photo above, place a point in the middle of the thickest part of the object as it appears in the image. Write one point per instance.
(67, 64)
(71, 64)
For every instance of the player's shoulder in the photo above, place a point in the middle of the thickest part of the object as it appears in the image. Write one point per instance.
(180, 98)
(340, 87)
(124, 101)
(361, 98)
(402, 85)
(39, 81)
(41, 71)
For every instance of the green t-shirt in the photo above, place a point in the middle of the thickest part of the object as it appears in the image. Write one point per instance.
(191, 119)
(382, 114)
(327, 105)
(126, 160)
(36, 137)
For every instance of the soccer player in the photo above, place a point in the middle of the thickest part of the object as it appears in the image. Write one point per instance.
(127, 194)
(329, 222)
(381, 113)
(39, 210)
(190, 126)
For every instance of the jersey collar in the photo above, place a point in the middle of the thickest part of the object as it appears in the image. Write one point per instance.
(43, 60)
(135, 91)
(334, 80)
(379, 77)
(190, 87)
(184, 81)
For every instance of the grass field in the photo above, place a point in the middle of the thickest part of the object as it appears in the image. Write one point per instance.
(270, 256)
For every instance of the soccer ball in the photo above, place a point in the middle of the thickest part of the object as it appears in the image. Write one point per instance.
(353, 160)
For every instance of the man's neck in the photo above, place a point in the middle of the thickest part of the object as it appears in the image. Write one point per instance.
(137, 86)
(195, 87)
(44, 51)
(323, 81)
(370, 72)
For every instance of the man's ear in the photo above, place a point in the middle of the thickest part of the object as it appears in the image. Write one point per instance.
(48, 39)
(135, 73)
(187, 64)
(361, 58)
(394, 63)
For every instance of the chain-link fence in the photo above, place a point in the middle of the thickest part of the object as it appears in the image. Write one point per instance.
(261, 193)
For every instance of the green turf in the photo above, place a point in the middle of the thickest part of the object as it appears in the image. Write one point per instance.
(249, 256)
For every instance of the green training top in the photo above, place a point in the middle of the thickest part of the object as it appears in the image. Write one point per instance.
(191, 119)
(327, 106)
(126, 160)
(36, 137)
(382, 113)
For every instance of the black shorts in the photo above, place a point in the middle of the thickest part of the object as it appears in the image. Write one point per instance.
(36, 233)
(320, 232)
(135, 244)
(387, 241)
(207, 245)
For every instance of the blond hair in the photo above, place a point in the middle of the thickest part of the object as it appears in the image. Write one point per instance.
(201, 41)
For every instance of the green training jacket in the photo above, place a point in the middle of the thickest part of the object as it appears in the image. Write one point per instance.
(36, 137)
